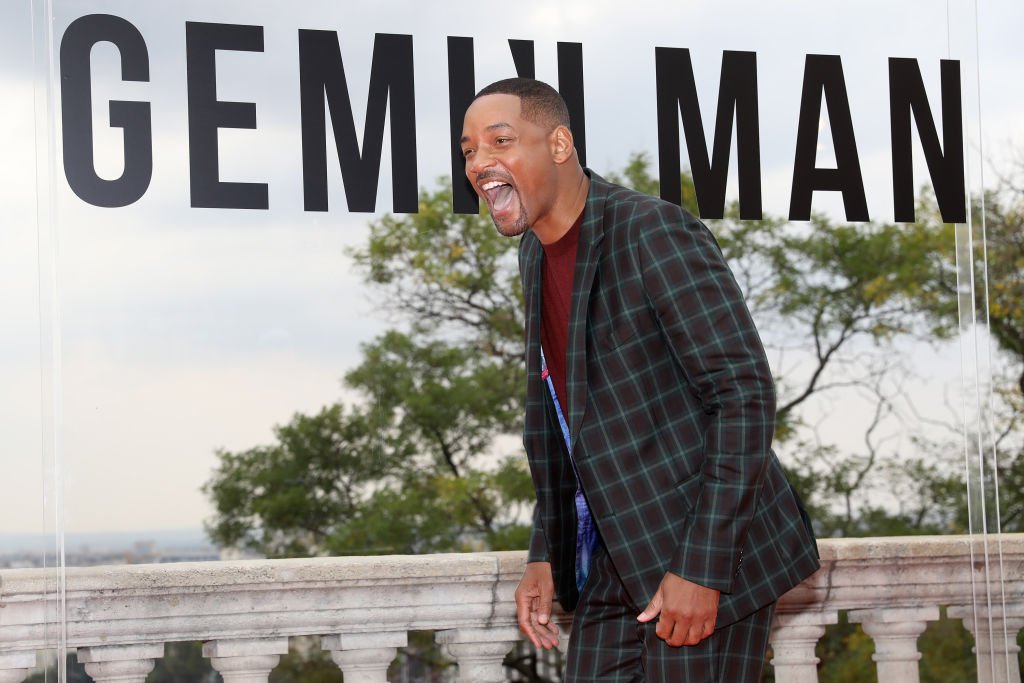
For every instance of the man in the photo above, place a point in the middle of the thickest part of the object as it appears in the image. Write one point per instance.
(663, 517)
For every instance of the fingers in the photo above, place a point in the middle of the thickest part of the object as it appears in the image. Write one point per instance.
(678, 631)
(545, 630)
(523, 610)
(533, 606)
(652, 610)
(697, 632)
(678, 627)
(544, 603)
(536, 624)
(686, 611)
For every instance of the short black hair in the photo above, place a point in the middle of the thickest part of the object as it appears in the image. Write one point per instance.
(540, 103)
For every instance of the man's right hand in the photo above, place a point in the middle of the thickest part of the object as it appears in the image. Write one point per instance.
(533, 605)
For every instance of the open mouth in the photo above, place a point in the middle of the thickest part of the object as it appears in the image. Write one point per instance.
(499, 195)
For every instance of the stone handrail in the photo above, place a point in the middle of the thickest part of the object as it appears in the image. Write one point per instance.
(119, 617)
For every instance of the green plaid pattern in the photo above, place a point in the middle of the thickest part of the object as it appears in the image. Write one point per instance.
(671, 414)
(608, 644)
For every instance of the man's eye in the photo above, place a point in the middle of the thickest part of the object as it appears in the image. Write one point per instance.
(466, 153)
(502, 141)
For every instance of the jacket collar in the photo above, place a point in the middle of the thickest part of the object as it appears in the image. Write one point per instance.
(588, 253)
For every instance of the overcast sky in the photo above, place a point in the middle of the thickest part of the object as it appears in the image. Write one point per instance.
(185, 330)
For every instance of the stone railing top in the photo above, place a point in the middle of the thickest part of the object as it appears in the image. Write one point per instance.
(351, 595)
(448, 567)
(375, 569)
(912, 547)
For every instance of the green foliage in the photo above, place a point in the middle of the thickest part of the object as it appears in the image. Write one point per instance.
(845, 651)
(414, 466)
(448, 400)
(637, 176)
(828, 289)
(75, 673)
(447, 275)
(946, 653)
(306, 663)
(286, 499)
(998, 217)
(183, 661)
(419, 464)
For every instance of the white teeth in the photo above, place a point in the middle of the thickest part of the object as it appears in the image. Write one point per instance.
(490, 185)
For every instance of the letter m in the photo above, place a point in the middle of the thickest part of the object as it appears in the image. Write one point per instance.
(322, 75)
(677, 94)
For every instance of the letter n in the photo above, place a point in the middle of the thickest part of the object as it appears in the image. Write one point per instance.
(907, 100)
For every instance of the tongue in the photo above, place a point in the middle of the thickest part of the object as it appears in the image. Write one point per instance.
(501, 198)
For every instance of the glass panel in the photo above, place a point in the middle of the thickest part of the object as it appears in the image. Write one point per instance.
(989, 302)
(198, 274)
(29, 497)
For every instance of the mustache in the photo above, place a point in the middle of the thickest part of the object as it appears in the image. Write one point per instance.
(493, 175)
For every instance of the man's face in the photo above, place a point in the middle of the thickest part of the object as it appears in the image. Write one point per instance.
(509, 161)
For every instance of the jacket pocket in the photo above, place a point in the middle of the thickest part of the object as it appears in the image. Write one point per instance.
(619, 335)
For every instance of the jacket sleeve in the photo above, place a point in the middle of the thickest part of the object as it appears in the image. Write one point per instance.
(538, 551)
(711, 336)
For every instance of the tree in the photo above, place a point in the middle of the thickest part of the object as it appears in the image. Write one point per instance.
(287, 499)
(412, 468)
(416, 465)
(836, 305)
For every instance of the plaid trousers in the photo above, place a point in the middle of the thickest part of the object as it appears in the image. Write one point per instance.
(608, 644)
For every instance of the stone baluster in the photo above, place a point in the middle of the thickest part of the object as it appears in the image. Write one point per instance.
(549, 662)
(564, 633)
(895, 632)
(365, 657)
(995, 632)
(121, 663)
(14, 666)
(245, 660)
(480, 651)
(793, 639)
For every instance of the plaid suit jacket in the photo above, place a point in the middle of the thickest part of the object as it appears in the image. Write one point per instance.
(671, 414)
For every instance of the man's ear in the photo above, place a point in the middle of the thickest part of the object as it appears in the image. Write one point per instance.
(562, 145)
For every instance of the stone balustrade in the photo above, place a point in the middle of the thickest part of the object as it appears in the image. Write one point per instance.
(119, 617)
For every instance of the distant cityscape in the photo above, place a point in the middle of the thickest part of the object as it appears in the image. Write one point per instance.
(27, 551)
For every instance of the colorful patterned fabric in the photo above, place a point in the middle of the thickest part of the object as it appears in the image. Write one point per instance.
(586, 532)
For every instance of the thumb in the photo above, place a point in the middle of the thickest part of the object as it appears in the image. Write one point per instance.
(652, 610)
(544, 606)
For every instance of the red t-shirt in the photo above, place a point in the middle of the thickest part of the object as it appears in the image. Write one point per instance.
(556, 300)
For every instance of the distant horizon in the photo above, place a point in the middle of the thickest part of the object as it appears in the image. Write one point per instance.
(168, 538)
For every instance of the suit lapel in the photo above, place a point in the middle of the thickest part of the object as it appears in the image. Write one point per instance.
(588, 252)
(532, 301)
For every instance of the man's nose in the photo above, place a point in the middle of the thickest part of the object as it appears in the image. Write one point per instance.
(479, 161)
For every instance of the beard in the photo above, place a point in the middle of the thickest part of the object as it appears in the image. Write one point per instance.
(507, 203)
(514, 229)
